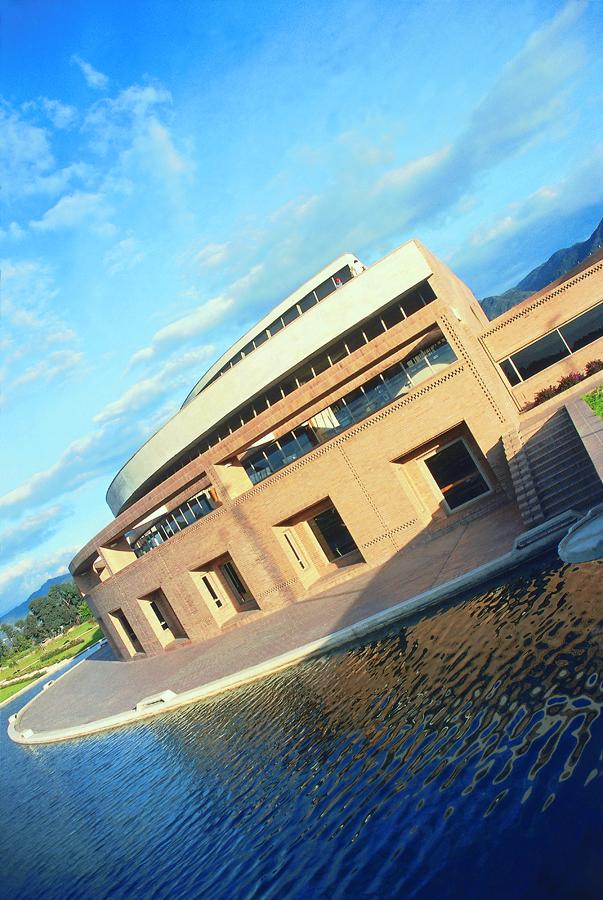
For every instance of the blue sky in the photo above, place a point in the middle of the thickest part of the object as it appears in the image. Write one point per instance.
(170, 171)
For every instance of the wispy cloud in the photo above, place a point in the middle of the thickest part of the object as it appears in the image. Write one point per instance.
(59, 362)
(212, 255)
(93, 77)
(72, 210)
(148, 391)
(124, 255)
(31, 531)
(27, 574)
(206, 316)
(122, 425)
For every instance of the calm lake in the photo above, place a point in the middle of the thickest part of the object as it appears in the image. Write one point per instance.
(456, 756)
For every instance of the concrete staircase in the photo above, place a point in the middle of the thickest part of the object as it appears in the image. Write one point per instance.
(551, 470)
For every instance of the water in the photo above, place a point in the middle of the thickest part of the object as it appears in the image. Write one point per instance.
(456, 756)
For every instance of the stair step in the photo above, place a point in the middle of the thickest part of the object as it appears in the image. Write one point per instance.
(559, 432)
(582, 501)
(551, 475)
(560, 450)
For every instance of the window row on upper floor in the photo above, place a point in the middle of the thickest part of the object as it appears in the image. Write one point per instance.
(554, 346)
(290, 315)
(398, 310)
(171, 523)
(349, 409)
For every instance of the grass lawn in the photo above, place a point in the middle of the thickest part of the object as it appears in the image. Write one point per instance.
(595, 401)
(54, 651)
(10, 689)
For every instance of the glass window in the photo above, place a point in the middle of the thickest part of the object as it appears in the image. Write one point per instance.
(337, 353)
(397, 380)
(246, 413)
(235, 581)
(373, 328)
(393, 315)
(417, 368)
(288, 386)
(274, 394)
(343, 274)
(260, 339)
(412, 303)
(275, 456)
(323, 290)
(441, 355)
(342, 413)
(455, 473)
(333, 535)
(236, 358)
(320, 363)
(304, 374)
(305, 438)
(248, 348)
(539, 355)
(275, 327)
(585, 329)
(290, 448)
(260, 404)
(307, 302)
(510, 372)
(427, 292)
(356, 404)
(290, 315)
(355, 340)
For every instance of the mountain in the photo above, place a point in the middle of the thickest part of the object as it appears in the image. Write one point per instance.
(556, 265)
(20, 611)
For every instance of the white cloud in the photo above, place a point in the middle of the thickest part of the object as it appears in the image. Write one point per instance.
(124, 255)
(164, 381)
(212, 255)
(26, 575)
(60, 114)
(72, 210)
(59, 362)
(32, 530)
(181, 330)
(93, 77)
(25, 152)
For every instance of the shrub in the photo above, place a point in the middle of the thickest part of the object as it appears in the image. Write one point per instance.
(592, 367)
(568, 381)
(545, 394)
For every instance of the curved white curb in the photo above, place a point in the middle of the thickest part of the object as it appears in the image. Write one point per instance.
(149, 707)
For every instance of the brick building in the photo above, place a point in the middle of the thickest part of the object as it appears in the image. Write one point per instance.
(363, 414)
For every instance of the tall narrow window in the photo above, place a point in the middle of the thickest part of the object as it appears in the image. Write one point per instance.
(236, 583)
(332, 534)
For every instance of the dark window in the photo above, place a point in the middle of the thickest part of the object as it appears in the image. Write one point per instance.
(355, 340)
(132, 636)
(166, 616)
(294, 551)
(427, 292)
(289, 385)
(274, 394)
(260, 339)
(343, 275)
(211, 591)
(236, 358)
(332, 534)
(248, 348)
(307, 302)
(246, 413)
(275, 327)
(290, 315)
(320, 364)
(260, 404)
(539, 355)
(585, 329)
(412, 303)
(456, 475)
(233, 577)
(337, 353)
(510, 372)
(373, 328)
(304, 374)
(393, 315)
(323, 290)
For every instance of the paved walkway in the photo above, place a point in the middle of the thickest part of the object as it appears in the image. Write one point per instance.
(102, 686)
